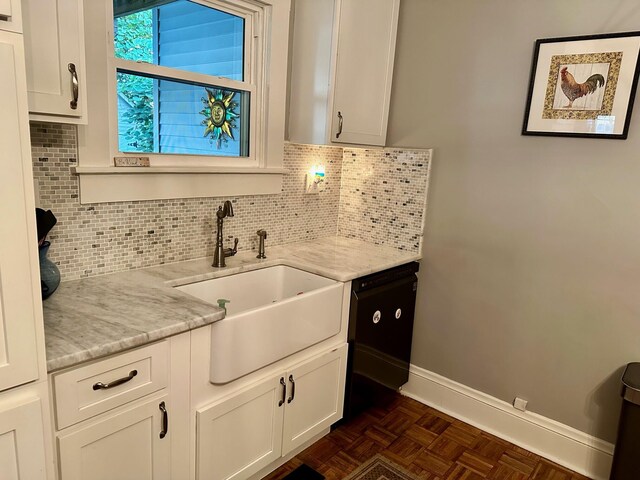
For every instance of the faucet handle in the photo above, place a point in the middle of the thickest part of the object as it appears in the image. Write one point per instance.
(230, 252)
(262, 233)
(234, 250)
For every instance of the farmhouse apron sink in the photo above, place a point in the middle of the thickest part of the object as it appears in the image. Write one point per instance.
(272, 313)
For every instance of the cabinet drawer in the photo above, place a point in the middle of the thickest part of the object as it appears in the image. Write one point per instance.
(86, 391)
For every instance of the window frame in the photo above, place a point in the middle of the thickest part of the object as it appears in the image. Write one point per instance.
(101, 182)
(254, 83)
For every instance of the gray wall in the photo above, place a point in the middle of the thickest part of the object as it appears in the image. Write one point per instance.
(531, 278)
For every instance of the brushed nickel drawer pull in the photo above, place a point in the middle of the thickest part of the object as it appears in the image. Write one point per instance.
(74, 86)
(165, 420)
(115, 383)
(284, 391)
(293, 389)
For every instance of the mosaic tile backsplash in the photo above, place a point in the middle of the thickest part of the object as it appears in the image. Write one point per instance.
(383, 196)
(108, 237)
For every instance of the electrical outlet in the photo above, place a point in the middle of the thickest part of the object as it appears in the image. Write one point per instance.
(311, 184)
(520, 404)
(315, 177)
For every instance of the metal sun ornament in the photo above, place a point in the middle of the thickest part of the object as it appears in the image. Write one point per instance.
(220, 115)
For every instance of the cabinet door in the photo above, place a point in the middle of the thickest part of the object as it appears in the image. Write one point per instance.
(126, 445)
(238, 436)
(313, 40)
(5, 8)
(18, 301)
(54, 44)
(316, 397)
(21, 441)
(10, 19)
(364, 70)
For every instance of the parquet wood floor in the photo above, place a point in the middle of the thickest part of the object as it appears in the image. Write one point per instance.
(432, 445)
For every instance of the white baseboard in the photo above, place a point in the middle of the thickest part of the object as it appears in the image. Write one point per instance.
(555, 441)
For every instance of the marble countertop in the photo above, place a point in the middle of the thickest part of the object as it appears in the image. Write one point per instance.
(98, 316)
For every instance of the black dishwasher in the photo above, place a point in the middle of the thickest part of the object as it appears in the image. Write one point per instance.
(380, 332)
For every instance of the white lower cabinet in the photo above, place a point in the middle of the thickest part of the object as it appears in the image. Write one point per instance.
(118, 418)
(131, 416)
(128, 445)
(317, 401)
(241, 434)
(22, 440)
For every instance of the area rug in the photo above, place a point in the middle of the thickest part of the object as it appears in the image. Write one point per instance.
(380, 468)
(304, 472)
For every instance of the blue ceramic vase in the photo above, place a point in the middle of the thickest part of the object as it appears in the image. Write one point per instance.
(49, 273)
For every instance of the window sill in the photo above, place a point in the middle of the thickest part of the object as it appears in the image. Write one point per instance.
(124, 184)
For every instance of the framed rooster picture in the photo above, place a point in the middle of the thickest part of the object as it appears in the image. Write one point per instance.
(583, 86)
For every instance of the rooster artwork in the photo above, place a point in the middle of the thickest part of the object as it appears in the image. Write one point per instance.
(574, 90)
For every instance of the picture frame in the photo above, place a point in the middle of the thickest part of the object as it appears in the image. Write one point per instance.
(583, 86)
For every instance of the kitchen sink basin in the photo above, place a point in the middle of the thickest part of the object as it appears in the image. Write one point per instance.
(272, 313)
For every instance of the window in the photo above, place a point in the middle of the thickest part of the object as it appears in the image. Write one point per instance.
(158, 113)
(197, 86)
(184, 85)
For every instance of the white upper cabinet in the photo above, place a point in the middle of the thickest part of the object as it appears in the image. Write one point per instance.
(19, 302)
(341, 70)
(364, 71)
(312, 65)
(10, 19)
(54, 44)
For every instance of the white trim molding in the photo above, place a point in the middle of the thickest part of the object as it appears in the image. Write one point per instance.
(555, 441)
(129, 187)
